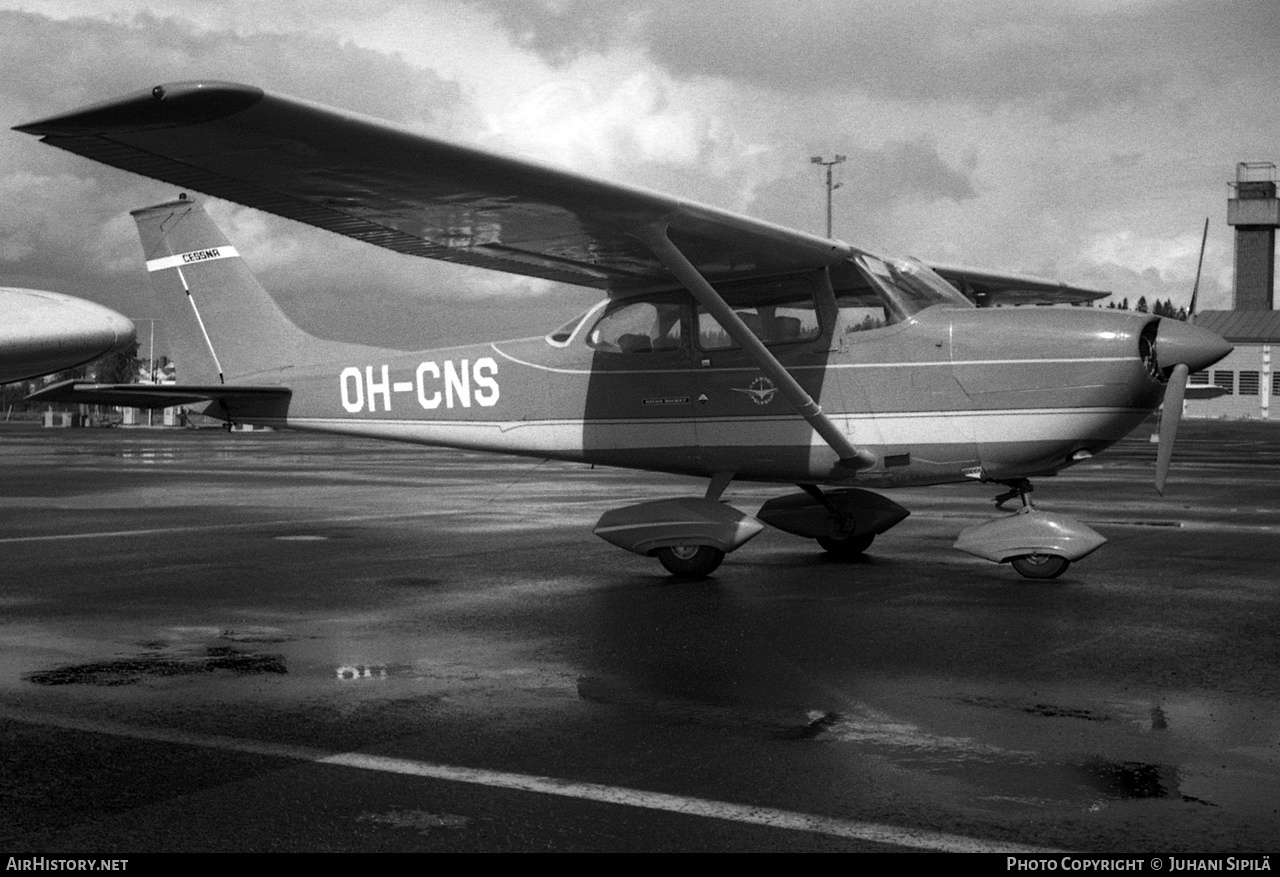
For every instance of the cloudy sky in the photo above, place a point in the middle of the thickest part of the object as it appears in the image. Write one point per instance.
(1085, 140)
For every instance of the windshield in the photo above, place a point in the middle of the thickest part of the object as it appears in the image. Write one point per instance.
(908, 286)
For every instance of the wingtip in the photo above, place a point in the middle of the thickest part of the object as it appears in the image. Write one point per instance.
(162, 106)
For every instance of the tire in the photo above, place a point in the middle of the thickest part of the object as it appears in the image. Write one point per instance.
(690, 561)
(849, 546)
(1041, 566)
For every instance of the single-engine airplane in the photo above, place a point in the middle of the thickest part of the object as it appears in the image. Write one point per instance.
(727, 347)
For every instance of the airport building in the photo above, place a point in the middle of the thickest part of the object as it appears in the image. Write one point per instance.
(1253, 325)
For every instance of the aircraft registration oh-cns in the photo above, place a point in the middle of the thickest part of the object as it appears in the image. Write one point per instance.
(727, 347)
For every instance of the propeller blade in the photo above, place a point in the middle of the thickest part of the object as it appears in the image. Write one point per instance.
(1170, 417)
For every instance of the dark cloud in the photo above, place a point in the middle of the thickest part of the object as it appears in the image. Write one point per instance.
(52, 65)
(65, 223)
(1067, 58)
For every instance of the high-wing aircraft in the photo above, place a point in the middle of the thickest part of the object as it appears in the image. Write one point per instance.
(727, 348)
(43, 332)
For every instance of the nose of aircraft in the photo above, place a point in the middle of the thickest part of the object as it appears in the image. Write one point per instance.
(43, 332)
(1180, 343)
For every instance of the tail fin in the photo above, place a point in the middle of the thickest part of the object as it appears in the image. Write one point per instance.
(220, 322)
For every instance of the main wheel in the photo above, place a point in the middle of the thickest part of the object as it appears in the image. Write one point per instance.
(690, 561)
(1041, 566)
(848, 546)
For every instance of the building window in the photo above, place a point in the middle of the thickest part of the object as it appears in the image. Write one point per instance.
(1201, 378)
(1275, 383)
(1226, 380)
(1248, 383)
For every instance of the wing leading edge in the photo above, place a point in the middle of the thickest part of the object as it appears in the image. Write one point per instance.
(396, 188)
(373, 181)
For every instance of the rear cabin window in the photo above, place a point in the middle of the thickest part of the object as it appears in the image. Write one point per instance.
(562, 336)
(781, 312)
(639, 327)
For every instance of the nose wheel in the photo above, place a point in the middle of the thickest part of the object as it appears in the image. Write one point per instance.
(1040, 566)
(690, 561)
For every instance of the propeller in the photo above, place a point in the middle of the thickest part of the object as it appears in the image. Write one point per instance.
(1182, 346)
(1170, 418)
(1195, 290)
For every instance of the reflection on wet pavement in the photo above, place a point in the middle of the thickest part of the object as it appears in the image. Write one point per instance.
(129, 670)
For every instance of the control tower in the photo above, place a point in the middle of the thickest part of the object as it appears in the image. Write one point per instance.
(1254, 210)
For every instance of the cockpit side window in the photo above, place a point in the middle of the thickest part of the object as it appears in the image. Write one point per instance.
(639, 327)
(861, 312)
(776, 312)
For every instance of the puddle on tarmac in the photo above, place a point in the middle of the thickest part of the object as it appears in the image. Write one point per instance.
(1044, 710)
(161, 663)
(1135, 780)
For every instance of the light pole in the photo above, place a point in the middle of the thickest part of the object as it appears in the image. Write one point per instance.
(839, 159)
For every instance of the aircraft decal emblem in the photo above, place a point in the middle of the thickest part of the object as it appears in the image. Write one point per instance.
(761, 391)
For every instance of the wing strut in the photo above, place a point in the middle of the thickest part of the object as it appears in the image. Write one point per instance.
(655, 238)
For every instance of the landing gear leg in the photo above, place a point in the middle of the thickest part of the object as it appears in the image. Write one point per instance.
(1018, 489)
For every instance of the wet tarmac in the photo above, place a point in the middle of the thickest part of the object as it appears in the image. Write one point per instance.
(275, 642)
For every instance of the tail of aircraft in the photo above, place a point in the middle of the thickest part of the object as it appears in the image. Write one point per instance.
(231, 342)
(222, 325)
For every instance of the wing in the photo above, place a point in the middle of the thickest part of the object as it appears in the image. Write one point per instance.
(991, 287)
(398, 189)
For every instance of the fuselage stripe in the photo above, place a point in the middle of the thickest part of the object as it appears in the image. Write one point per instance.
(822, 367)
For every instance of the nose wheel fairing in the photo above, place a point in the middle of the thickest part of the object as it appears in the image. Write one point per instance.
(1040, 545)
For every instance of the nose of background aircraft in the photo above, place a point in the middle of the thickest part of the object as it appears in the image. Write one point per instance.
(43, 332)
(1178, 342)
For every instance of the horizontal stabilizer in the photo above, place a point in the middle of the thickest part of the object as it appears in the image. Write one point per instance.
(237, 401)
(1205, 391)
